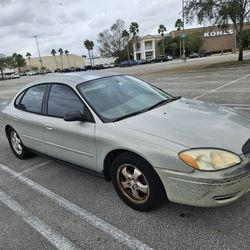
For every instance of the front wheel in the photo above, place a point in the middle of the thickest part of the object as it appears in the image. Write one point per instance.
(136, 182)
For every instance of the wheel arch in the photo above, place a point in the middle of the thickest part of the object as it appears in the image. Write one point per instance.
(7, 128)
(110, 157)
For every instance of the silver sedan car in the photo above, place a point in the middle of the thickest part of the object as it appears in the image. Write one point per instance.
(153, 146)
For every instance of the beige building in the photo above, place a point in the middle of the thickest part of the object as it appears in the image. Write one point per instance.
(54, 62)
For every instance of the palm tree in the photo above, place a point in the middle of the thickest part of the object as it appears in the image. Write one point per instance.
(28, 55)
(61, 53)
(126, 37)
(89, 46)
(66, 52)
(134, 30)
(179, 26)
(161, 31)
(53, 52)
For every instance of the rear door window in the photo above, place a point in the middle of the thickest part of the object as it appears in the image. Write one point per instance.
(33, 99)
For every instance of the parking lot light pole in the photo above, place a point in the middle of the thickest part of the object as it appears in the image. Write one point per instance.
(183, 37)
(40, 59)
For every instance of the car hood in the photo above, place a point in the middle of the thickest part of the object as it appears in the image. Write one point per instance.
(194, 124)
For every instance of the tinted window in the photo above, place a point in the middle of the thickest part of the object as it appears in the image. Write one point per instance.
(62, 100)
(32, 100)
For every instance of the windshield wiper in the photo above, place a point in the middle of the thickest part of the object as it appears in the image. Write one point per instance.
(129, 115)
(159, 104)
(176, 98)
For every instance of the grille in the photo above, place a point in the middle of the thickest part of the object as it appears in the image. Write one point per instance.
(246, 148)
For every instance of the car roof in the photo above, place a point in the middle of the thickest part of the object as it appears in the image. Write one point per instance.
(75, 78)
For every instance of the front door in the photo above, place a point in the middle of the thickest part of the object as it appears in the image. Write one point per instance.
(73, 141)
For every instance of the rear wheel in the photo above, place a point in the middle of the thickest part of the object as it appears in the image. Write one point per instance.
(17, 146)
(136, 182)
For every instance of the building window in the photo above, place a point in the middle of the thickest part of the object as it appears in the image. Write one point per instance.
(148, 45)
(149, 55)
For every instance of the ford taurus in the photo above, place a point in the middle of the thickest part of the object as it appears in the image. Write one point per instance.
(153, 146)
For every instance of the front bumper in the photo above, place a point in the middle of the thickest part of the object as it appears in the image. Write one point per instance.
(207, 189)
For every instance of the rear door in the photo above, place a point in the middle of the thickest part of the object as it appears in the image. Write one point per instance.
(28, 119)
(69, 141)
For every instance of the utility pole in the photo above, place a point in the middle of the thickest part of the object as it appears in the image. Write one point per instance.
(183, 34)
(40, 59)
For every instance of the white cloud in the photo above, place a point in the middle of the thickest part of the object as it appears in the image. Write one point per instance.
(67, 23)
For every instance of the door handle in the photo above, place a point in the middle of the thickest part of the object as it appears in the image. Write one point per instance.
(48, 127)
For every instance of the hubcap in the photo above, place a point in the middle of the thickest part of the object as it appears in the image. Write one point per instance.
(132, 183)
(16, 142)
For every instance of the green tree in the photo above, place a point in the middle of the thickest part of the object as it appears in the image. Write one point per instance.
(28, 55)
(111, 42)
(53, 53)
(66, 52)
(3, 64)
(221, 12)
(194, 42)
(134, 30)
(161, 31)
(173, 47)
(17, 61)
(60, 51)
(89, 45)
(179, 27)
(126, 37)
(34, 68)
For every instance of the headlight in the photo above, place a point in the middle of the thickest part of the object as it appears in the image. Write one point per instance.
(209, 159)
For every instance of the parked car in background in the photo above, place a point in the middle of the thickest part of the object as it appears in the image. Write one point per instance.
(31, 73)
(194, 55)
(15, 76)
(125, 64)
(7, 76)
(161, 58)
(144, 61)
(204, 53)
(128, 63)
(98, 67)
(153, 146)
(87, 67)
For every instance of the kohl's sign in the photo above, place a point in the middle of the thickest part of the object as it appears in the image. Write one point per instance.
(218, 33)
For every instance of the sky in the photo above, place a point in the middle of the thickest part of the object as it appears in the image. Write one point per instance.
(67, 23)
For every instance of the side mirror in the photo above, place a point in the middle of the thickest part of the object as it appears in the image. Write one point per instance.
(74, 116)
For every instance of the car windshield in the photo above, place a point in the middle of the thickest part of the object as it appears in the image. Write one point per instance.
(117, 97)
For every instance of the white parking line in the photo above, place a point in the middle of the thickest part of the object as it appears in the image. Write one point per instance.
(230, 83)
(236, 105)
(93, 220)
(35, 167)
(242, 108)
(56, 239)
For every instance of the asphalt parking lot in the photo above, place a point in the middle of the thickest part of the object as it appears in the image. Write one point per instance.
(48, 205)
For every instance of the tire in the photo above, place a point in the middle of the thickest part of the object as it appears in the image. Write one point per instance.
(136, 182)
(16, 145)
